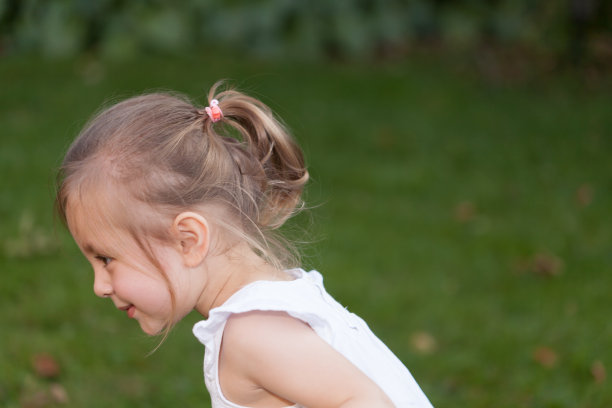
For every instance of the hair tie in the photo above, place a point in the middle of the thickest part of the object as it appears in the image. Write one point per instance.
(214, 111)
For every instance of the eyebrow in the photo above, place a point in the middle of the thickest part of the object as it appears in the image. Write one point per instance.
(89, 248)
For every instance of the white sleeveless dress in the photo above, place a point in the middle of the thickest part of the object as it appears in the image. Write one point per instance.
(305, 299)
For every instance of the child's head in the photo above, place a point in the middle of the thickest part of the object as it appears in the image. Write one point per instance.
(143, 161)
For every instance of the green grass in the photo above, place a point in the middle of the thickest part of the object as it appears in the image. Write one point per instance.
(432, 195)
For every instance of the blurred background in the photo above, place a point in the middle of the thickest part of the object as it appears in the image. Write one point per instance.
(543, 32)
(459, 202)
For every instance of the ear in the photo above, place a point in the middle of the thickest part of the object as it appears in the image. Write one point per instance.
(193, 236)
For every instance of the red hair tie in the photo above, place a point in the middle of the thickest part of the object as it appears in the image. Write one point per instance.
(214, 111)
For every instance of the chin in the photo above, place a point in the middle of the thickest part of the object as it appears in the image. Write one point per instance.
(151, 331)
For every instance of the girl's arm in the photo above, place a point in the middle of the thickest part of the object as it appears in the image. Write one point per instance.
(285, 357)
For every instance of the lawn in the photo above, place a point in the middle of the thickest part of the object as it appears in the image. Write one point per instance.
(466, 222)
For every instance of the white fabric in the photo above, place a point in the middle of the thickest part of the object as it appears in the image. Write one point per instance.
(305, 299)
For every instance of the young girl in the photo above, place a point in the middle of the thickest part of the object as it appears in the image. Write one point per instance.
(176, 207)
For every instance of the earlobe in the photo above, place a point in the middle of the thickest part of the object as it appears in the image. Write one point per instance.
(193, 237)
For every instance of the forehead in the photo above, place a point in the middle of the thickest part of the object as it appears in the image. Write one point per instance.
(89, 224)
(98, 214)
(104, 219)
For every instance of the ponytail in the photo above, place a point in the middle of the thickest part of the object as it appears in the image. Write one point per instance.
(266, 156)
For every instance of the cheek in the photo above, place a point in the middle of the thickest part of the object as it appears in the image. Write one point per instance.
(149, 294)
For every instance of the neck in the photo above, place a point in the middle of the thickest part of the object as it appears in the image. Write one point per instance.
(229, 272)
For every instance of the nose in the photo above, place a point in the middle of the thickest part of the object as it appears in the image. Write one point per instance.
(102, 283)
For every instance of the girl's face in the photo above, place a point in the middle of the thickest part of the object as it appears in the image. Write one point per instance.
(134, 285)
(126, 275)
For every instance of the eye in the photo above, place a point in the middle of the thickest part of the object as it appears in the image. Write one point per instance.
(104, 259)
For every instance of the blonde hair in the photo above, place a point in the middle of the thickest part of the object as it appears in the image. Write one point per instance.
(162, 151)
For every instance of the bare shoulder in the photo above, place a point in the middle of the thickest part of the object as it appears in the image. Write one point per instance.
(261, 335)
(283, 357)
(249, 348)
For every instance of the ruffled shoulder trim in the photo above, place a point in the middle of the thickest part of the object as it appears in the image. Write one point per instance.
(303, 298)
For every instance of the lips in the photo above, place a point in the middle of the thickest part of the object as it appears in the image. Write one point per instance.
(130, 309)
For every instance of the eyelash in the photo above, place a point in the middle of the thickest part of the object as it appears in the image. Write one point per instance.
(104, 259)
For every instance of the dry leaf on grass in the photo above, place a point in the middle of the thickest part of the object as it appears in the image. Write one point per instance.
(547, 265)
(423, 342)
(543, 264)
(584, 195)
(598, 370)
(45, 365)
(545, 356)
(465, 211)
